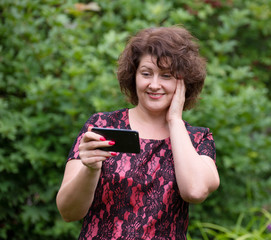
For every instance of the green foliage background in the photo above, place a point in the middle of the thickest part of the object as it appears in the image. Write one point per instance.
(57, 66)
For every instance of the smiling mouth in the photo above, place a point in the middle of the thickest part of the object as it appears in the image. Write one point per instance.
(155, 95)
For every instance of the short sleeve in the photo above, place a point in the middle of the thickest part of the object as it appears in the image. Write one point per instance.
(115, 119)
(206, 145)
(74, 151)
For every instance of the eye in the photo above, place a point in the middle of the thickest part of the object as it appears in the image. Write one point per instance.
(145, 73)
(166, 75)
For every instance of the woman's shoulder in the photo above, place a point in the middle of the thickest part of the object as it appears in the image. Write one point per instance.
(196, 129)
(199, 135)
(110, 119)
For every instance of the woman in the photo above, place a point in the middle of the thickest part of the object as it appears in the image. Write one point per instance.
(145, 195)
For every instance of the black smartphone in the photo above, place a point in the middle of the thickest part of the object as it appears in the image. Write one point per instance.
(126, 140)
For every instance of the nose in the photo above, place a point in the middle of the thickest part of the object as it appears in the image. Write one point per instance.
(154, 83)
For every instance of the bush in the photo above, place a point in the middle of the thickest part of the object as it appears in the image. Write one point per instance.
(250, 225)
(57, 66)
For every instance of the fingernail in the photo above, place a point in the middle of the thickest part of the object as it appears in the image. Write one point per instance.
(111, 143)
(113, 154)
(102, 139)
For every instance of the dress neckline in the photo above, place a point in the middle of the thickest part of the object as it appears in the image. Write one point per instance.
(143, 139)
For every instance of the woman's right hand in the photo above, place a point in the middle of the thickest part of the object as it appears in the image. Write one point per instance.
(89, 152)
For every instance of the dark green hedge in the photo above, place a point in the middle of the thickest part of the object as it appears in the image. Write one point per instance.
(57, 66)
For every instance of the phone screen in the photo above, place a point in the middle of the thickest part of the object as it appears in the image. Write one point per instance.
(126, 140)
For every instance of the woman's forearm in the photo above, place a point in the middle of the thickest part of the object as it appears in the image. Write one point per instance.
(77, 191)
(196, 175)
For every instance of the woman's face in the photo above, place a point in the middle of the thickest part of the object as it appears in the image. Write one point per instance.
(155, 87)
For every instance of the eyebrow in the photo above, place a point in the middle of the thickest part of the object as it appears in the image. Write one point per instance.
(145, 66)
(161, 70)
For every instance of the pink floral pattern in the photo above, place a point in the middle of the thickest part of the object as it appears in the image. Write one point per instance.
(137, 196)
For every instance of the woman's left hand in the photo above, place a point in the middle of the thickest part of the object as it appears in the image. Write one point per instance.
(175, 110)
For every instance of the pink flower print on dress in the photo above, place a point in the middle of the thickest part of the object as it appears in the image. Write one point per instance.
(76, 147)
(198, 137)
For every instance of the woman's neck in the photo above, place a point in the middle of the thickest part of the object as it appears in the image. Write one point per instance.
(149, 125)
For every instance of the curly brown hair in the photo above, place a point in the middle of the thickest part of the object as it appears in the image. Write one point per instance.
(175, 49)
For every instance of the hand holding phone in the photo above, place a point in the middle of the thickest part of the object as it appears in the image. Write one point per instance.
(88, 150)
(126, 140)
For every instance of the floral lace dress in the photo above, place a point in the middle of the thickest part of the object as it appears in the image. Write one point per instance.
(137, 196)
